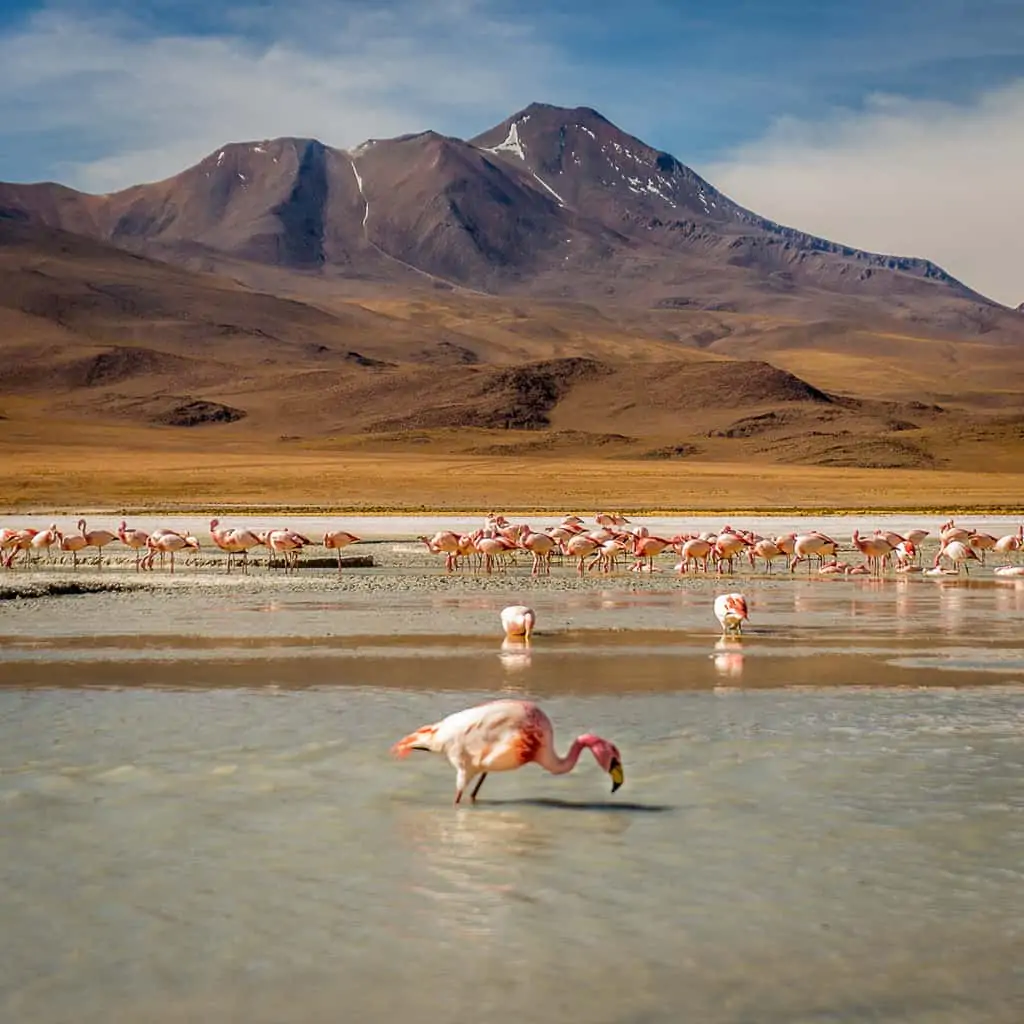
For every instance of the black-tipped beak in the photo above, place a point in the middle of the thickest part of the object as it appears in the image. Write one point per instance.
(615, 771)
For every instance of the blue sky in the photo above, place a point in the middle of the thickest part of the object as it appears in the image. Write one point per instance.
(749, 92)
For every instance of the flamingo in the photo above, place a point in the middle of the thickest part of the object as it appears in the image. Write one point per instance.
(20, 540)
(1009, 570)
(73, 542)
(518, 620)
(982, 542)
(646, 549)
(769, 550)
(540, 545)
(135, 539)
(501, 736)
(45, 539)
(874, 549)
(242, 540)
(339, 539)
(224, 539)
(167, 542)
(958, 552)
(1011, 542)
(97, 539)
(731, 610)
(581, 547)
(288, 544)
(446, 542)
(696, 549)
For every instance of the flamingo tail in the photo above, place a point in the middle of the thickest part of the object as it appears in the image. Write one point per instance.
(421, 739)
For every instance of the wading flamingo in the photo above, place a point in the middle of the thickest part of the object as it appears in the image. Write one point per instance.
(731, 610)
(518, 621)
(167, 542)
(958, 553)
(1011, 542)
(134, 539)
(97, 539)
(339, 539)
(501, 736)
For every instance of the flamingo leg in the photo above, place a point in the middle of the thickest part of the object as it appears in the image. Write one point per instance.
(476, 788)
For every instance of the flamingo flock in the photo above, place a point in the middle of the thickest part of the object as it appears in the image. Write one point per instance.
(613, 542)
(283, 545)
(610, 544)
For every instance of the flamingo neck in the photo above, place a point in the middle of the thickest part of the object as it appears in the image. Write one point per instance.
(551, 762)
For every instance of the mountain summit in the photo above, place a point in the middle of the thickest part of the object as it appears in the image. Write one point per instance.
(551, 202)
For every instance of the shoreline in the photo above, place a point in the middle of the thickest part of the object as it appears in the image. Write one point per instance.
(403, 511)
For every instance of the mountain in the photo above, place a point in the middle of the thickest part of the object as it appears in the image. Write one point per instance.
(551, 203)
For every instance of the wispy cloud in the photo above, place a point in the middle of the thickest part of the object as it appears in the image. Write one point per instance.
(913, 177)
(140, 106)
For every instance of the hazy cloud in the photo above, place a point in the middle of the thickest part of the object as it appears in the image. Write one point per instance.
(916, 178)
(141, 106)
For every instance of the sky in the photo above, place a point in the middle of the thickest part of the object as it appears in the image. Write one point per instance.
(894, 126)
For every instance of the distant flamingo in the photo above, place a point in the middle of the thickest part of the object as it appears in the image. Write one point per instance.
(731, 611)
(695, 550)
(97, 539)
(501, 736)
(167, 543)
(20, 540)
(982, 542)
(646, 549)
(518, 620)
(45, 539)
(1012, 542)
(540, 545)
(874, 549)
(769, 550)
(288, 544)
(73, 542)
(339, 540)
(580, 548)
(134, 539)
(958, 553)
(446, 542)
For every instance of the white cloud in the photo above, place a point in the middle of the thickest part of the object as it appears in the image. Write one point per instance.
(143, 106)
(908, 177)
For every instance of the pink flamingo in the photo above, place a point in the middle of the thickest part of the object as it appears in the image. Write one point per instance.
(446, 542)
(339, 540)
(73, 542)
(874, 549)
(813, 544)
(20, 540)
(580, 548)
(727, 546)
(288, 544)
(731, 612)
(491, 548)
(540, 545)
(518, 621)
(769, 550)
(97, 539)
(134, 539)
(958, 553)
(45, 539)
(167, 542)
(224, 539)
(501, 736)
(982, 542)
(244, 541)
(646, 549)
(695, 550)
(1012, 542)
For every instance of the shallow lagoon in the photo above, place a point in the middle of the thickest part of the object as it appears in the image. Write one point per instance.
(821, 822)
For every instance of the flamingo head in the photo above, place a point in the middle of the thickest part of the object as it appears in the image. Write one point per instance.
(607, 755)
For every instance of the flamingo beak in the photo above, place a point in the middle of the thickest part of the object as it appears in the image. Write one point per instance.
(615, 771)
